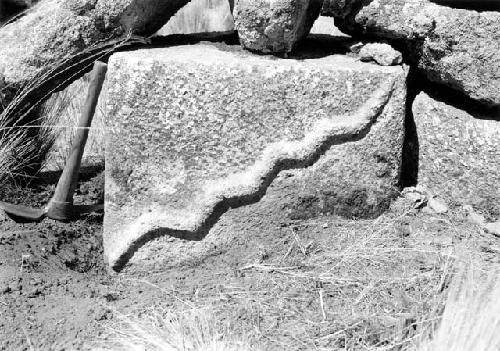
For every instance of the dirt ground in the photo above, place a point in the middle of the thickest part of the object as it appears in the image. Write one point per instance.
(323, 283)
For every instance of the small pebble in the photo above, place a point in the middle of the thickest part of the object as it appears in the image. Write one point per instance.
(437, 205)
(383, 54)
(4, 289)
(416, 198)
(473, 216)
(355, 48)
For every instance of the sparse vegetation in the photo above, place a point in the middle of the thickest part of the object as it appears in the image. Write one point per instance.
(31, 123)
(67, 118)
(189, 330)
(406, 281)
(470, 320)
(375, 286)
(471, 317)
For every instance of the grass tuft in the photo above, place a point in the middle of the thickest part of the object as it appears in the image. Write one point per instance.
(190, 330)
(29, 122)
(471, 318)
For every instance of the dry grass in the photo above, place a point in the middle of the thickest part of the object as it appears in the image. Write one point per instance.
(28, 129)
(23, 147)
(67, 119)
(470, 321)
(471, 318)
(368, 286)
(190, 330)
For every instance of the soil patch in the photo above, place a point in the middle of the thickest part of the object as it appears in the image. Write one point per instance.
(322, 282)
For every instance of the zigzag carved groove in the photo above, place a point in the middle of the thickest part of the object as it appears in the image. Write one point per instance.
(250, 186)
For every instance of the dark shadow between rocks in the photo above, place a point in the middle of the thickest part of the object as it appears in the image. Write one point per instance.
(314, 46)
(456, 99)
(476, 5)
(11, 10)
(417, 82)
(411, 148)
(321, 45)
(225, 39)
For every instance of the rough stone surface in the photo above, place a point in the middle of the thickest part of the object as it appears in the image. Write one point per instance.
(56, 29)
(274, 26)
(459, 155)
(196, 130)
(456, 47)
(200, 16)
(339, 8)
(383, 54)
(326, 25)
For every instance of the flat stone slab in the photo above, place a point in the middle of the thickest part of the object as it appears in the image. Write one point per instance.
(196, 130)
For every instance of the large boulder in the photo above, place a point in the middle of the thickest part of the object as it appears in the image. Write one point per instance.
(196, 130)
(58, 29)
(456, 47)
(274, 26)
(458, 155)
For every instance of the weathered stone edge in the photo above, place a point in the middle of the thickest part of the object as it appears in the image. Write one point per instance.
(240, 187)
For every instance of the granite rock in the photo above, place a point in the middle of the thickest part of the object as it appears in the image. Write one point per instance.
(455, 47)
(458, 155)
(54, 30)
(196, 130)
(381, 53)
(274, 26)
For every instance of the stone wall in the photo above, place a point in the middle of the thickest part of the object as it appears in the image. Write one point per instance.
(272, 118)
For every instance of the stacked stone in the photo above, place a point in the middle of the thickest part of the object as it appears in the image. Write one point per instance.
(197, 130)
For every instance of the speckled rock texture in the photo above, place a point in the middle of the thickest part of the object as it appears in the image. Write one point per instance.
(459, 155)
(456, 47)
(56, 29)
(196, 130)
(381, 53)
(274, 26)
